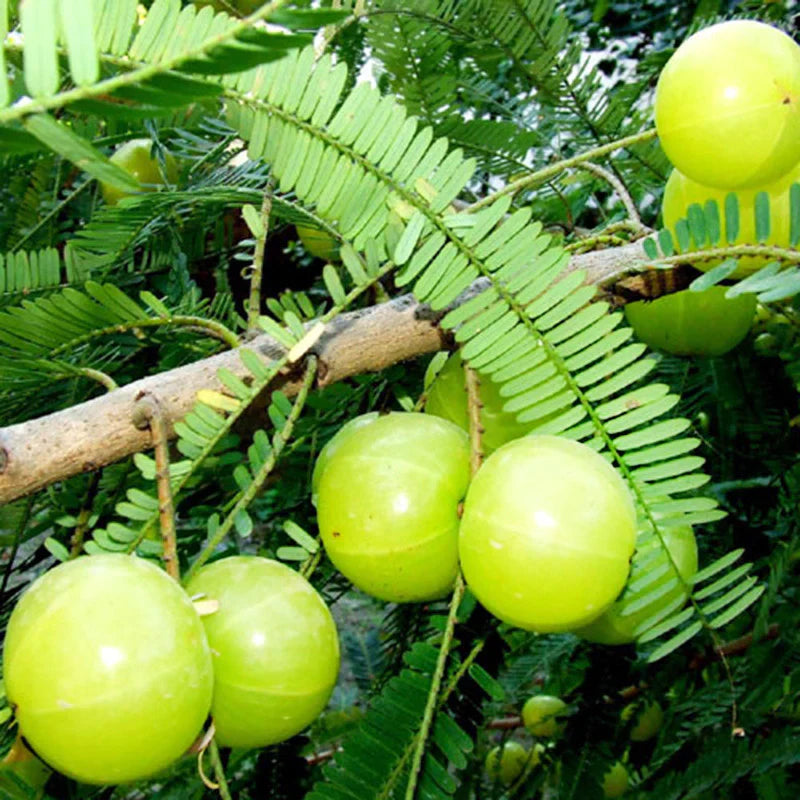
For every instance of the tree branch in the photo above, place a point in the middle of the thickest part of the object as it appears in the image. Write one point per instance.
(88, 436)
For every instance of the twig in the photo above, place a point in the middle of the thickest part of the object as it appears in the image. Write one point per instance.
(98, 432)
(733, 648)
(148, 413)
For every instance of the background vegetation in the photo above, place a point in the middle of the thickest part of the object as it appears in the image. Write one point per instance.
(525, 91)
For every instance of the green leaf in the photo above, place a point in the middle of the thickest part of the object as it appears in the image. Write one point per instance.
(487, 682)
(78, 27)
(39, 20)
(243, 523)
(761, 211)
(674, 643)
(57, 136)
(56, 549)
(297, 534)
(408, 241)
(253, 220)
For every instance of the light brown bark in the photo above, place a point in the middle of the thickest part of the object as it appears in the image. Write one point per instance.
(39, 452)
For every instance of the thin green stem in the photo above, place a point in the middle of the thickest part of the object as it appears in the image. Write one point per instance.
(51, 215)
(219, 771)
(733, 251)
(620, 188)
(214, 329)
(279, 442)
(436, 683)
(552, 170)
(101, 377)
(254, 302)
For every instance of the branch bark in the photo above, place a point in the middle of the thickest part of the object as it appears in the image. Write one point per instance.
(96, 433)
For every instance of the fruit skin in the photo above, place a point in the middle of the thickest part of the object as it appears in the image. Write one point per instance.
(681, 192)
(388, 506)
(648, 721)
(134, 157)
(333, 444)
(512, 763)
(547, 533)
(108, 667)
(612, 627)
(275, 650)
(541, 713)
(693, 323)
(318, 243)
(727, 105)
(447, 398)
(615, 781)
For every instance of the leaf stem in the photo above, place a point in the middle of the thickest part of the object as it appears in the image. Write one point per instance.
(436, 683)
(552, 170)
(279, 442)
(254, 302)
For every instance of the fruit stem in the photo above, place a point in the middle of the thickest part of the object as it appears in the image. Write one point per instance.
(254, 302)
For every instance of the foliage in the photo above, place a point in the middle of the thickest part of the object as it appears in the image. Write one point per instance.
(496, 140)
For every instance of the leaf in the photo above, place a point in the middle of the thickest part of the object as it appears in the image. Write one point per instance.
(57, 136)
(56, 549)
(243, 523)
(253, 219)
(297, 534)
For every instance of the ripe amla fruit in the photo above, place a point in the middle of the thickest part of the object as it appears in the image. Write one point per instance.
(507, 762)
(134, 157)
(727, 105)
(547, 533)
(615, 626)
(107, 667)
(333, 444)
(275, 649)
(318, 243)
(691, 323)
(542, 715)
(388, 504)
(447, 398)
(681, 192)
